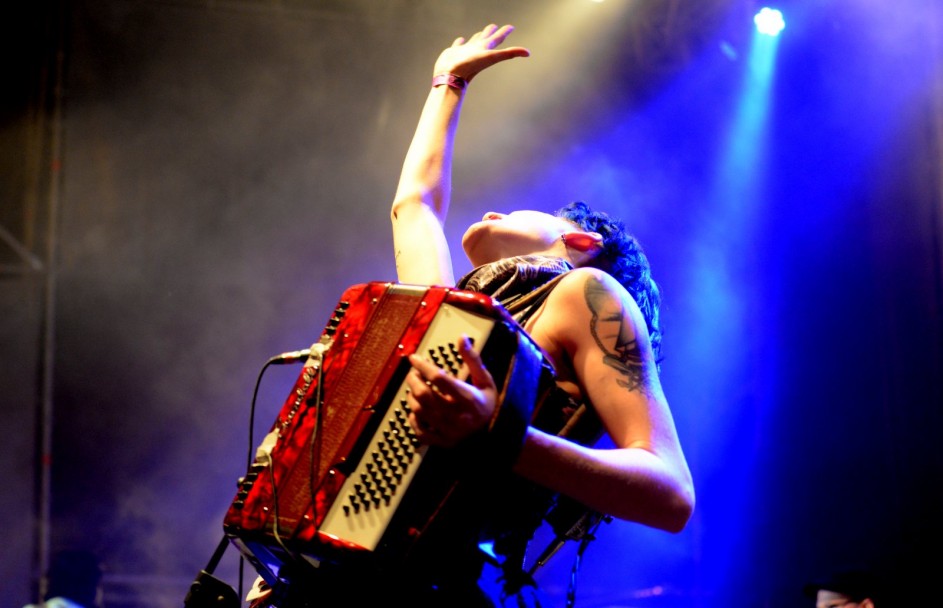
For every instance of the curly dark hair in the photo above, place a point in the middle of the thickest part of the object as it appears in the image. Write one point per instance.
(622, 258)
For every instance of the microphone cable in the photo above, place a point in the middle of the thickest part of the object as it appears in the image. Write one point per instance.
(282, 359)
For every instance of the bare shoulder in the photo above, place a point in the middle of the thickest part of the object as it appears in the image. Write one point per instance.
(600, 327)
(590, 294)
(577, 281)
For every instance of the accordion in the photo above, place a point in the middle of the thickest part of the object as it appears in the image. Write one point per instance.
(341, 475)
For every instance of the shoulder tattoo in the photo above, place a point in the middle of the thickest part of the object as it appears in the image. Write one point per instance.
(612, 332)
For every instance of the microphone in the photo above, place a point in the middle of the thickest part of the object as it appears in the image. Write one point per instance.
(317, 350)
(293, 356)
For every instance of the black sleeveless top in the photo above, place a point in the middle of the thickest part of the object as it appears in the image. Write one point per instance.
(522, 284)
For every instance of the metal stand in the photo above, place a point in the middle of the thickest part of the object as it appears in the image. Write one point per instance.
(207, 591)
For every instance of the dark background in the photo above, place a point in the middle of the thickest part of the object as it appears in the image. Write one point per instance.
(187, 186)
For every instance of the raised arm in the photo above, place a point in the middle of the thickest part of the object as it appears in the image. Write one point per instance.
(421, 202)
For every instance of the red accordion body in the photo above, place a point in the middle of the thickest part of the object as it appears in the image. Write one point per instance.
(341, 475)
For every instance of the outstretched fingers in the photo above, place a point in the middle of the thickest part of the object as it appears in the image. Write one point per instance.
(485, 32)
(496, 35)
(467, 57)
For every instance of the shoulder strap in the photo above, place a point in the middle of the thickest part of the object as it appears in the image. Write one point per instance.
(523, 307)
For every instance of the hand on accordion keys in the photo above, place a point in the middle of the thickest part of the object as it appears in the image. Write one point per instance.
(444, 410)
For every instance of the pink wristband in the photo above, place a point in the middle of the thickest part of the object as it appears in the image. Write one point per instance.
(456, 82)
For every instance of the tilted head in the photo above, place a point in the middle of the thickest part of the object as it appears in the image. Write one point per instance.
(578, 234)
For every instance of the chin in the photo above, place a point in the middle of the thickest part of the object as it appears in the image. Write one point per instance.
(471, 244)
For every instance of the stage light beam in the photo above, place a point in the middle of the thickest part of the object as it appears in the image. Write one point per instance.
(769, 21)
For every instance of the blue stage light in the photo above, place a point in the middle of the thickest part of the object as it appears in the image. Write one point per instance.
(769, 21)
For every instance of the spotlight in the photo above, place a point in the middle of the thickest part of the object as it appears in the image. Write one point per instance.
(769, 21)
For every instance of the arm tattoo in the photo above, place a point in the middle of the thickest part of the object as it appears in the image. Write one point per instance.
(615, 337)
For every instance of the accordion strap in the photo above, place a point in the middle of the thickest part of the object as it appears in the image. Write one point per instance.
(516, 404)
(497, 448)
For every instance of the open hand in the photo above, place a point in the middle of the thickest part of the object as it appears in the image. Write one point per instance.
(466, 58)
(445, 410)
